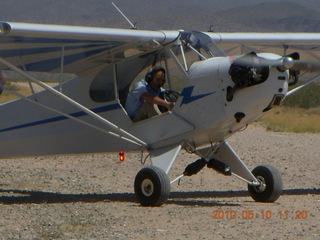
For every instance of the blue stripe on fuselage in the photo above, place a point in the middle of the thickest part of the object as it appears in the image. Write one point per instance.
(60, 118)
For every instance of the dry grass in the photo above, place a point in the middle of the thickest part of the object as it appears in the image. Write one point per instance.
(6, 97)
(297, 120)
(21, 88)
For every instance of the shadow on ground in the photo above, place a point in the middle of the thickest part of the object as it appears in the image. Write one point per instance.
(10, 197)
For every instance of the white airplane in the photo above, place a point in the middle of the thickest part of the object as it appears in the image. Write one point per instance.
(225, 81)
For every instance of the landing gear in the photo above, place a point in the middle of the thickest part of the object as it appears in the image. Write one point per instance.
(152, 186)
(271, 184)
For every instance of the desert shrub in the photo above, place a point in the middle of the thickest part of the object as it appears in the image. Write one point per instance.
(307, 97)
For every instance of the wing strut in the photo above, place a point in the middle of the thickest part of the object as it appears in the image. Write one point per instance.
(179, 65)
(118, 131)
(303, 85)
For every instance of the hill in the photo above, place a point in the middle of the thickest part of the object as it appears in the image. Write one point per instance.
(280, 16)
(228, 15)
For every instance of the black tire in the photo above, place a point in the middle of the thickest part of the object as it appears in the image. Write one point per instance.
(271, 187)
(152, 186)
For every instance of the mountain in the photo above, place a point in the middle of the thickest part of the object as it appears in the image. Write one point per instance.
(227, 15)
(281, 16)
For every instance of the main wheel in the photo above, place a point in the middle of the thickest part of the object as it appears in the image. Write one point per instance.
(270, 188)
(152, 186)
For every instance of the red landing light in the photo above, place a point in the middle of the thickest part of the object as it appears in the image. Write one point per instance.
(121, 156)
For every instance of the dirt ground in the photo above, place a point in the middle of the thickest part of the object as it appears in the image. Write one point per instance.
(91, 197)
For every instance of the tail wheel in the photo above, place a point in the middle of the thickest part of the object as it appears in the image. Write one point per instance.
(270, 187)
(152, 186)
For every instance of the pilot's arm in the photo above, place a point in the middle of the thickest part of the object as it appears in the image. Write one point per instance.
(157, 100)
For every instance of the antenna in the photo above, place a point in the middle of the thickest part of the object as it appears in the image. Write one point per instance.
(132, 25)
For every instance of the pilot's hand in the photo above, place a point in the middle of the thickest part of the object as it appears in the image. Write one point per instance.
(170, 105)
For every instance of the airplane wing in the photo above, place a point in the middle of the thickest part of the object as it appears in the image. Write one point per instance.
(307, 44)
(45, 48)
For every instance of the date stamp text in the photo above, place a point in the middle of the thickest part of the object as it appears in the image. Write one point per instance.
(298, 214)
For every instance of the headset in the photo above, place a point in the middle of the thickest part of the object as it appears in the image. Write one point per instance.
(154, 70)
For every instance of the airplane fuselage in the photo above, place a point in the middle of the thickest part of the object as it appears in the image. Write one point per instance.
(212, 106)
(217, 109)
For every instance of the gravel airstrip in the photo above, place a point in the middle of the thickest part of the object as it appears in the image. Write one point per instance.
(91, 196)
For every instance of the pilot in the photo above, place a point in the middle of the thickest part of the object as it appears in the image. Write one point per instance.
(2, 81)
(145, 94)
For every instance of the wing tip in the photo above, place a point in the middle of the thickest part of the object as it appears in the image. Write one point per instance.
(5, 28)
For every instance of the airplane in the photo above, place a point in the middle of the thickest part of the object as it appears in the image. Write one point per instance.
(222, 82)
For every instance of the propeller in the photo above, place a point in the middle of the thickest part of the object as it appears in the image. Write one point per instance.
(291, 61)
(253, 60)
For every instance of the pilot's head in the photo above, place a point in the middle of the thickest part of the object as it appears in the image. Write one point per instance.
(156, 77)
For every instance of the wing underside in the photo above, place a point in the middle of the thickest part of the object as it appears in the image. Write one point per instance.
(307, 44)
(47, 48)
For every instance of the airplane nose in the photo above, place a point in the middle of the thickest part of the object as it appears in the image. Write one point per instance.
(288, 63)
(247, 71)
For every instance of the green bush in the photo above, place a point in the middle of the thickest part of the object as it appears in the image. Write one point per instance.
(307, 97)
